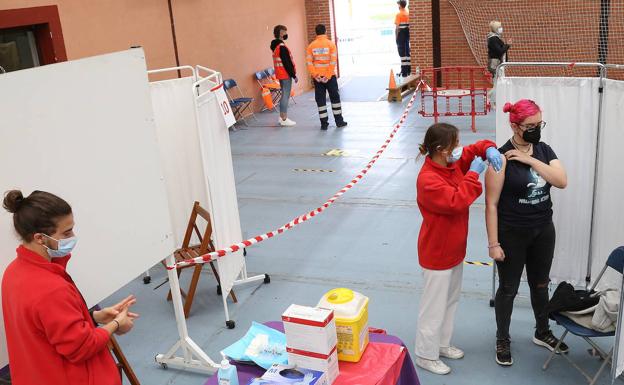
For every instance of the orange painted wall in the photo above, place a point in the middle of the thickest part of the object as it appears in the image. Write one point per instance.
(236, 40)
(233, 40)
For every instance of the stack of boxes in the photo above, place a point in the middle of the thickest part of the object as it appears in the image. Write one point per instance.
(311, 339)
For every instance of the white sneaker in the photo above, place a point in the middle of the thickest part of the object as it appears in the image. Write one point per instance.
(286, 122)
(452, 352)
(434, 366)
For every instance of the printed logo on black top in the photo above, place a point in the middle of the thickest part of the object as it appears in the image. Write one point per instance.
(537, 189)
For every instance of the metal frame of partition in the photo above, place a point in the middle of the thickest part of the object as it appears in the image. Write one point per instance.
(602, 70)
(192, 355)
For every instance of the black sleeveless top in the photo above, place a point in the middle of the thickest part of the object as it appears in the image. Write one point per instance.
(525, 199)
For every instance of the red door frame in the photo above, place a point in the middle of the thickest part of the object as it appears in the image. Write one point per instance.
(47, 30)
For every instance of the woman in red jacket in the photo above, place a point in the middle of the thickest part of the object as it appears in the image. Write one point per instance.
(51, 336)
(447, 185)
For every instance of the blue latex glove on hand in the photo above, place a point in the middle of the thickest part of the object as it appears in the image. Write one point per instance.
(478, 165)
(495, 158)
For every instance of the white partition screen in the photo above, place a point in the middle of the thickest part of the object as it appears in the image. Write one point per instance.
(570, 108)
(180, 151)
(84, 130)
(609, 218)
(217, 155)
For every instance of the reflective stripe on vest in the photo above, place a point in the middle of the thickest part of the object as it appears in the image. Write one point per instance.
(280, 70)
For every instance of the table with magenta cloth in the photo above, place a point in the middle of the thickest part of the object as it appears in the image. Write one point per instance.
(386, 361)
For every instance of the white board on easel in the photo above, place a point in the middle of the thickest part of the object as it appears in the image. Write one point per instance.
(84, 130)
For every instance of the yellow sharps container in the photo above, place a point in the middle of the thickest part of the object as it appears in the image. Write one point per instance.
(351, 315)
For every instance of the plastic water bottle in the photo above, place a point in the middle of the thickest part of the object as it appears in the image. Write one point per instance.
(227, 374)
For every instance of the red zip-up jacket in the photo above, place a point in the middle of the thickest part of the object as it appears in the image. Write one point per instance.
(51, 338)
(444, 195)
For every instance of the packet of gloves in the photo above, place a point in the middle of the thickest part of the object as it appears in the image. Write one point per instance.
(261, 344)
(288, 374)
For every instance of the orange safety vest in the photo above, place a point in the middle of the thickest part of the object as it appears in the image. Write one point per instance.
(402, 19)
(280, 71)
(321, 57)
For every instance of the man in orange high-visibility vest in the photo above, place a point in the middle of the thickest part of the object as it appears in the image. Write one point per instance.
(402, 35)
(321, 60)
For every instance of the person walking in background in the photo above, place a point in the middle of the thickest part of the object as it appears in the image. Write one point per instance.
(497, 52)
(402, 36)
(285, 71)
(321, 60)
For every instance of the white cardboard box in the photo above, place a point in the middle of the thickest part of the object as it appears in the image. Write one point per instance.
(310, 329)
(327, 363)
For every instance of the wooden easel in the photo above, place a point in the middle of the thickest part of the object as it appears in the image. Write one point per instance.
(122, 362)
(188, 252)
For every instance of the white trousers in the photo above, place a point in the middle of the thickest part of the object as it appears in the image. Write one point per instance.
(436, 316)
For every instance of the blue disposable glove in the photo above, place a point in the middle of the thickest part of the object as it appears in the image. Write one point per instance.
(478, 165)
(495, 158)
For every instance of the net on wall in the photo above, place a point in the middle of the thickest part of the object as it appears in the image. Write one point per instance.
(548, 31)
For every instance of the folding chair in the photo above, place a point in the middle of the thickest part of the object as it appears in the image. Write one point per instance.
(616, 262)
(188, 252)
(265, 81)
(271, 72)
(239, 102)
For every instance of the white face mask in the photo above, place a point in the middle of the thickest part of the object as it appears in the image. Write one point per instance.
(455, 155)
(499, 30)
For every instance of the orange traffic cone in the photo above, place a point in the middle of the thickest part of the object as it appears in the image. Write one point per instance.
(392, 83)
(268, 99)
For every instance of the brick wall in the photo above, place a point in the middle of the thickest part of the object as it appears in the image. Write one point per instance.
(421, 39)
(455, 48)
(319, 12)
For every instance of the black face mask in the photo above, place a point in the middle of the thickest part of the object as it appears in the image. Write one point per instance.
(285, 37)
(533, 136)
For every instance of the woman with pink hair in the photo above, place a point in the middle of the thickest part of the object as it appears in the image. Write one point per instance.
(519, 223)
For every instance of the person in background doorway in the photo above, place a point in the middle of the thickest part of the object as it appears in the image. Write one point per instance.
(447, 185)
(402, 36)
(497, 52)
(52, 338)
(321, 60)
(518, 215)
(285, 71)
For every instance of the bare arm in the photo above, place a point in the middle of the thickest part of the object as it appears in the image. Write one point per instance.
(493, 186)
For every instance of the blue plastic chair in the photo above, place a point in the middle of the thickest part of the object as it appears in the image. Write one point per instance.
(616, 262)
(239, 103)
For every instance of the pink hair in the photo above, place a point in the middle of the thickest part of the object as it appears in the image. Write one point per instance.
(521, 110)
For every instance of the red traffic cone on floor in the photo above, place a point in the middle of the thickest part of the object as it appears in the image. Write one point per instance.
(392, 82)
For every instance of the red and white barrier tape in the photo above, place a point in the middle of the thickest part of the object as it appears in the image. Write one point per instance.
(302, 218)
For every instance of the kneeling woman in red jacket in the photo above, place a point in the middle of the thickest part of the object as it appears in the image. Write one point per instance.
(447, 185)
(51, 336)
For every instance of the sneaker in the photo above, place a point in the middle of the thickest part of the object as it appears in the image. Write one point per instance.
(452, 352)
(324, 127)
(549, 341)
(434, 366)
(341, 124)
(286, 122)
(503, 353)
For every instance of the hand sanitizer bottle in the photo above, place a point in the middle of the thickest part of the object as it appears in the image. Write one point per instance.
(227, 374)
